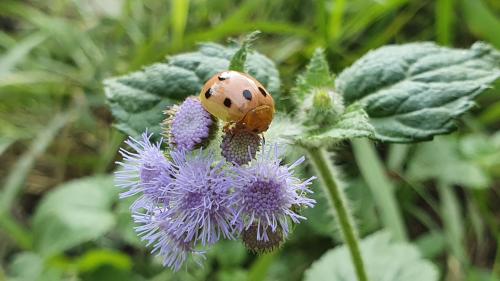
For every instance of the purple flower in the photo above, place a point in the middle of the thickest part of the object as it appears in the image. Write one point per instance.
(188, 199)
(267, 193)
(239, 146)
(157, 229)
(145, 171)
(199, 197)
(189, 124)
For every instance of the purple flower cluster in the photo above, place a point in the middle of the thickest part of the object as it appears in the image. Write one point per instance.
(189, 125)
(188, 198)
(265, 193)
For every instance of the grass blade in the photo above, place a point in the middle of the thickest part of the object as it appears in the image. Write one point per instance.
(179, 15)
(452, 220)
(14, 183)
(481, 20)
(445, 21)
(381, 187)
(16, 54)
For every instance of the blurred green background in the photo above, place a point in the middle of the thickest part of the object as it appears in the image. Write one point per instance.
(55, 128)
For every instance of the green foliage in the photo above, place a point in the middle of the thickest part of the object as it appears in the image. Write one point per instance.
(381, 187)
(125, 224)
(28, 266)
(385, 261)
(17, 53)
(316, 75)
(443, 161)
(354, 123)
(239, 58)
(54, 56)
(415, 91)
(321, 110)
(481, 20)
(137, 100)
(75, 212)
(94, 259)
(230, 253)
(482, 151)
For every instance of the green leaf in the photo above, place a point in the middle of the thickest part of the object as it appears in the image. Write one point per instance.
(483, 151)
(94, 259)
(353, 123)
(239, 58)
(481, 20)
(384, 259)
(28, 266)
(229, 254)
(316, 75)
(5, 143)
(259, 269)
(431, 244)
(125, 224)
(452, 217)
(19, 52)
(415, 91)
(442, 160)
(110, 273)
(481, 274)
(231, 274)
(75, 212)
(137, 100)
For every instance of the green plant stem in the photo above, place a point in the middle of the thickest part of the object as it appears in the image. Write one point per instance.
(260, 267)
(451, 214)
(18, 233)
(381, 187)
(336, 197)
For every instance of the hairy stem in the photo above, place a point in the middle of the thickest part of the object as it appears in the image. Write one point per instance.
(336, 197)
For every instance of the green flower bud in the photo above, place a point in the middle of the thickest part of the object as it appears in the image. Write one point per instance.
(275, 241)
(239, 146)
(321, 107)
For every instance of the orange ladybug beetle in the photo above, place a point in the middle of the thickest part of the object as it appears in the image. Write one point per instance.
(239, 99)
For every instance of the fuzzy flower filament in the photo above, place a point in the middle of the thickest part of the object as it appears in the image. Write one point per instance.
(159, 231)
(144, 170)
(200, 198)
(191, 198)
(267, 193)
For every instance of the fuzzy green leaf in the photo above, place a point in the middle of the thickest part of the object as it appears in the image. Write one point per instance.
(75, 212)
(384, 260)
(316, 75)
(137, 100)
(353, 123)
(239, 58)
(415, 91)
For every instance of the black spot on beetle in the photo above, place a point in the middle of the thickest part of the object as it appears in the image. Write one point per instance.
(221, 78)
(247, 94)
(227, 102)
(208, 93)
(263, 92)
